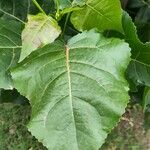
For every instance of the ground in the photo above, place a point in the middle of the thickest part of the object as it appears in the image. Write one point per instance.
(130, 134)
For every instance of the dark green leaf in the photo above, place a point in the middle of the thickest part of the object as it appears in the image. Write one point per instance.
(21, 8)
(139, 68)
(10, 43)
(135, 3)
(144, 31)
(17, 8)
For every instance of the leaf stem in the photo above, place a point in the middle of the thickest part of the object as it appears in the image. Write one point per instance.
(65, 25)
(12, 16)
(38, 6)
(57, 15)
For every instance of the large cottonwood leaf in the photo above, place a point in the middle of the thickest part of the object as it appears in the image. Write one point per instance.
(139, 68)
(39, 31)
(101, 14)
(10, 43)
(77, 91)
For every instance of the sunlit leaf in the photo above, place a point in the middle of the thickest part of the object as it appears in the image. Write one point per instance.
(39, 31)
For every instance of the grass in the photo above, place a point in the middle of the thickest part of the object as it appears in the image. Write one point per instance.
(130, 134)
(13, 132)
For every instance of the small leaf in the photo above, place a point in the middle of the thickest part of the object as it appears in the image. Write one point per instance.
(100, 14)
(39, 31)
(139, 68)
(10, 43)
(77, 91)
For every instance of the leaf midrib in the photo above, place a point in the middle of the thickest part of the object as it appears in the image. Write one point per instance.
(70, 93)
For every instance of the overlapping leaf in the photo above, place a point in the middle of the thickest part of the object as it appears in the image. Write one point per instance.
(10, 42)
(139, 68)
(61, 4)
(77, 91)
(100, 14)
(39, 31)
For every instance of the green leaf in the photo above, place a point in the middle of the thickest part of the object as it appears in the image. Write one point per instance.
(100, 14)
(77, 91)
(136, 4)
(61, 4)
(10, 43)
(16, 8)
(12, 9)
(39, 31)
(139, 68)
(146, 98)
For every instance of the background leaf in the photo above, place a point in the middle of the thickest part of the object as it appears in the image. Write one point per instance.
(100, 14)
(139, 68)
(77, 92)
(10, 43)
(61, 4)
(21, 9)
(17, 8)
(39, 31)
(139, 10)
(146, 99)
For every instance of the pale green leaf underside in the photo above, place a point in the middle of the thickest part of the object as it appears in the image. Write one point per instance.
(39, 31)
(10, 43)
(100, 14)
(77, 92)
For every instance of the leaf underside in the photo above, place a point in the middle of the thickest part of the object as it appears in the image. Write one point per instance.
(77, 91)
